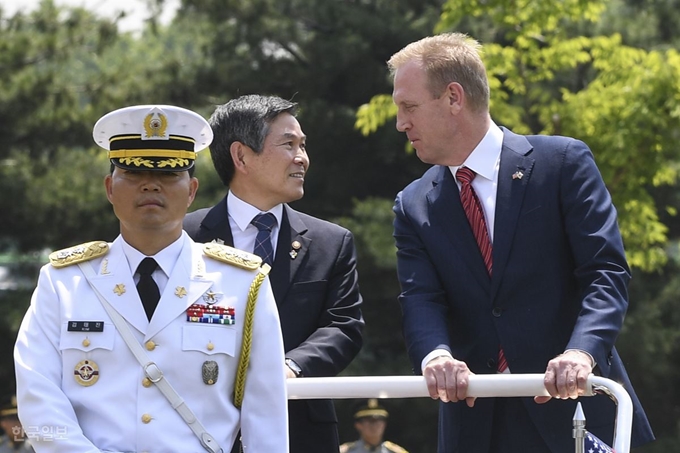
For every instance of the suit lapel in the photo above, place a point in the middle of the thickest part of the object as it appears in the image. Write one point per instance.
(286, 264)
(115, 283)
(188, 275)
(446, 210)
(509, 197)
(215, 225)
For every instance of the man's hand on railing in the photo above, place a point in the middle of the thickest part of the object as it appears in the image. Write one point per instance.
(566, 376)
(447, 379)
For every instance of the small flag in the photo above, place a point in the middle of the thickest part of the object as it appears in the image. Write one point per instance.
(594, 445)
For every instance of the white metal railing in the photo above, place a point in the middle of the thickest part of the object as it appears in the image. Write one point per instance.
(480, 386)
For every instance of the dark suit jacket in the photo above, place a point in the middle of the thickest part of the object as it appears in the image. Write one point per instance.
(319, 303)
(559, 282)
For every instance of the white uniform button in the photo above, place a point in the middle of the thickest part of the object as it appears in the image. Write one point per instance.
(150, 345)
(210, 346)
(146, 418)
(146, 382)
(86, 342)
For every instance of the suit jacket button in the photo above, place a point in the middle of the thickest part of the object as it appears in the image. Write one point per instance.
(491, 363)
(497, 312)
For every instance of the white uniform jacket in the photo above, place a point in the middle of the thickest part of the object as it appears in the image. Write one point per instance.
(122, 411)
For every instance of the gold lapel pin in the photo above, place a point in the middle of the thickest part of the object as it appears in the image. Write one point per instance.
(180, 291)
(296, 246)
(119, 289)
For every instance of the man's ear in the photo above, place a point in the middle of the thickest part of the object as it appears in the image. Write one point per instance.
(238, 156)
(107, 184)
(193, 189)
(455, 94)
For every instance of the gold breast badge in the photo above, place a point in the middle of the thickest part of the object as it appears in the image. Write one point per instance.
(86, 373)
(209, 372)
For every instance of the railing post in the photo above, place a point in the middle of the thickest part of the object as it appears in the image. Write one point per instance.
(579, 431)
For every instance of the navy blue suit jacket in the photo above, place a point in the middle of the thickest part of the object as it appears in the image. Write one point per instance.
(317, 294)
(559, 282)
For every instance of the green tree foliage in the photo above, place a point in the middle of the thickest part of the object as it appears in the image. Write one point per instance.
(329, 56)
(651, 341)
(60, 70)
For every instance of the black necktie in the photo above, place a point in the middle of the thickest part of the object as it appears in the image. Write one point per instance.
(263, 242)
(147, 287)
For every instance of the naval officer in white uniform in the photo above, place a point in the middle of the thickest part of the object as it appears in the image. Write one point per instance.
(186, 306)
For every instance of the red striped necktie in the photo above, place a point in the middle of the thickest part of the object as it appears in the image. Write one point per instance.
(475, 215)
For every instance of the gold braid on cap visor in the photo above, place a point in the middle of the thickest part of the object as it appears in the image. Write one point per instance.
(176, 152)
(122, 153)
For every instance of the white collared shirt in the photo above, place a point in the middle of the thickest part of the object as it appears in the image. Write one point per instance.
(166, 259)
(485, 160)
(243, 232)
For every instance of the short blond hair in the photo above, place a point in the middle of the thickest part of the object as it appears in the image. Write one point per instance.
(446, 58)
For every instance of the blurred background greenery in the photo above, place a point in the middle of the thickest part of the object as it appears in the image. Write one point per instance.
(606, 72)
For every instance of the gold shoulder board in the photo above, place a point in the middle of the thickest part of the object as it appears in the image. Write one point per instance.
(394, 447)
(232, 256)
(78, 253)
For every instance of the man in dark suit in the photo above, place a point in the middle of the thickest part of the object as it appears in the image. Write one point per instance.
(259, 152)
(509, 258)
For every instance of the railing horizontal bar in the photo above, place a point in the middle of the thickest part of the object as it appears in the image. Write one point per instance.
(480, 386)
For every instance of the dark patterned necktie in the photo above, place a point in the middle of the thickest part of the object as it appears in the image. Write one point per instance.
(147, 287)
(263, 241)
(475, 215)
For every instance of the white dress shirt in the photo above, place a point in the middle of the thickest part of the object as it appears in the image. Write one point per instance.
(244, 232)
(484, 160)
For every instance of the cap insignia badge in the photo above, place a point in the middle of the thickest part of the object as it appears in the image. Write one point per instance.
(155, 125)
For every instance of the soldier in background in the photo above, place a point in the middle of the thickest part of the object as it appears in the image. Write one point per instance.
(370, 421)
(13, 440)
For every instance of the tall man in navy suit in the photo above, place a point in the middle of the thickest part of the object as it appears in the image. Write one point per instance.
(535, 282)
(259, 152)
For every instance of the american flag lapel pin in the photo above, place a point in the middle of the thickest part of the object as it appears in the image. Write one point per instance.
(517, 175)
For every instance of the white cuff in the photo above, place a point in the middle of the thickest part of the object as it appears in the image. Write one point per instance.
(432, 355)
